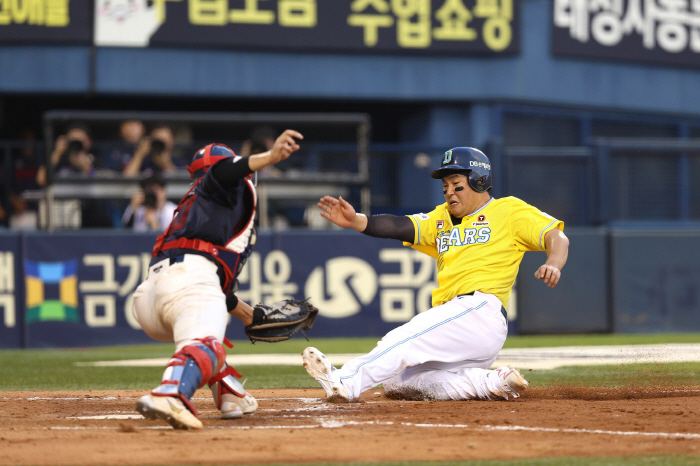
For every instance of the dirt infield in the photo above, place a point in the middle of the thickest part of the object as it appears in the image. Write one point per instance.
(101, 427)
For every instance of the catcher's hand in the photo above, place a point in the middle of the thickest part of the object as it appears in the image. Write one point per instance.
(280, 321)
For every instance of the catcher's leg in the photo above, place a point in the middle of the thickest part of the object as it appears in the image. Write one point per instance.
(229, 395)
(188, 369)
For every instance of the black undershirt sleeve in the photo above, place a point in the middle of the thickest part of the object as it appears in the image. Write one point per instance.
(227, 173)
(390, 226)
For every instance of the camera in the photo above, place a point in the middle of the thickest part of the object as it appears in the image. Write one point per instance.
(75, 146)
(157, 147)
(150, 200)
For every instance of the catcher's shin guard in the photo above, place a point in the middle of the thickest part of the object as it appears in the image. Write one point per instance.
(229, 395)
(190, 368)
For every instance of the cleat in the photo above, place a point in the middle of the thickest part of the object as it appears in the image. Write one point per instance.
(512, 382)
(168, 409)
(321, 369)
(234, 406)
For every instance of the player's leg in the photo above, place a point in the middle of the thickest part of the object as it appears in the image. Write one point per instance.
(146, 313)
(188, 369)
(191, 306)
(469, 329)
(205, 313)
(229, 395)
(465, 383)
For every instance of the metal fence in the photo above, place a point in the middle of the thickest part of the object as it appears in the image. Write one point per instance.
(611, 180)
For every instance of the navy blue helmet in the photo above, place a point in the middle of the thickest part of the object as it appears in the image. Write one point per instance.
(469, 162)
(207, 156)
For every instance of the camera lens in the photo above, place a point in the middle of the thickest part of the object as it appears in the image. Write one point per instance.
(149, 199)
(75, 145)
(157, 146)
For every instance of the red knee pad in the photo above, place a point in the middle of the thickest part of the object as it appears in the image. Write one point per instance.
(218, 350)
(201, 358)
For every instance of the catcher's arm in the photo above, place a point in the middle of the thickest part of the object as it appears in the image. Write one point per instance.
(240, 309)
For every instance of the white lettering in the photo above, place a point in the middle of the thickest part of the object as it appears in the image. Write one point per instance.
(7, 304)
(7, 272)
(345, 278)
(108, 317)
(396, 305)
(108, 283)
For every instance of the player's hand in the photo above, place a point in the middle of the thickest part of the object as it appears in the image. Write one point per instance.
(285, 145)
(549, 274)
(338, 211)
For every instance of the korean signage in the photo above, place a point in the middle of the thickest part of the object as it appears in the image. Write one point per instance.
(77, 289)
(434, 26)
(46, 21)
(656, 31)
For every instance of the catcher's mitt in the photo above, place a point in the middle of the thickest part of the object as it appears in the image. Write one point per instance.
(280, 321)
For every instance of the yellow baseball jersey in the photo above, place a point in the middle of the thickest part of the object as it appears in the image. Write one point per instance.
(482, 253)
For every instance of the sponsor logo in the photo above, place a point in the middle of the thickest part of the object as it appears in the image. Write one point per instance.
(423, 216)
(480, 164)
(479, 224)
(52, 291)
(440, 224)
(173, 407)
(481, 218)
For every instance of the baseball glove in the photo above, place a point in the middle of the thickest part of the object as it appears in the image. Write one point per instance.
(281, 321)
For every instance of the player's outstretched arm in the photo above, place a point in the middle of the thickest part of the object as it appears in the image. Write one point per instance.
(284, 146)
(242, 311)
(342, 213)
(557, 248)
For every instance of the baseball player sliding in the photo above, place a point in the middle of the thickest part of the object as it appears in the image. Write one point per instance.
(192, 282)
(478, 241)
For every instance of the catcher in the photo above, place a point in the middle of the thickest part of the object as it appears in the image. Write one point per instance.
(192, 282)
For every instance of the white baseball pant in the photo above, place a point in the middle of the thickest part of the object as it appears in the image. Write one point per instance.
(182, 302)
(444, 352)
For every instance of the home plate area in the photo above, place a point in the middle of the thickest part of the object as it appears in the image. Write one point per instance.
(300, 425)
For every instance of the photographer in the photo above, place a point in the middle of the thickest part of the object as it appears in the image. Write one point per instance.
(150, 209)
(154, 154)
(71, 153)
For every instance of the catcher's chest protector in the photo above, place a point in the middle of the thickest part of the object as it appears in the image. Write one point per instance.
(215, 216)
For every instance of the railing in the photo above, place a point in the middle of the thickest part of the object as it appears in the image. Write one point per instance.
(611, 180)
(302, 186)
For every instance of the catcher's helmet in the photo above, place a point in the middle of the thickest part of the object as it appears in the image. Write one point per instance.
(469, 162)
(206, 157)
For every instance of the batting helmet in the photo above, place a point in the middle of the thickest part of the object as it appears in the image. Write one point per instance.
(206, 157)
(469, 162)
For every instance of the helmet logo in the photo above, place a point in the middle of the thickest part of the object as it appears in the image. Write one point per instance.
(448, 157)
(480, 164)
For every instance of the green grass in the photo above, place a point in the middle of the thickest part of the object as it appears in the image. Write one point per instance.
(545, 341)
(55, 369)
(671, 460)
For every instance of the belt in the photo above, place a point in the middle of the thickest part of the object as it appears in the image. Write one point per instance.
(176, 259)
(168, 261)
(503, 309)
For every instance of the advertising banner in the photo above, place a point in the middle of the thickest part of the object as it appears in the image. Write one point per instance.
(11, 327)
(657, 289)
(79, 287)
(46, 21)
(654, 31)
(457, 27)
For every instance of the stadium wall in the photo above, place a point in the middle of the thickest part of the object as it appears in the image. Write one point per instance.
(76, 289)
